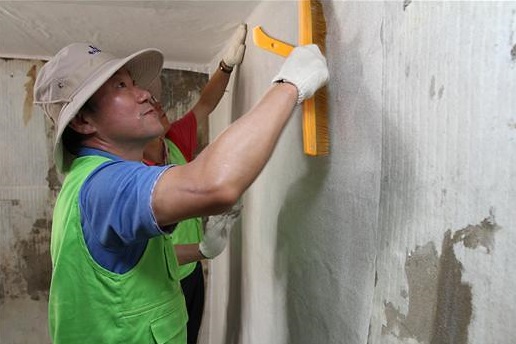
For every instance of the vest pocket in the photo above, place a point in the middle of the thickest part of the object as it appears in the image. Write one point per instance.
(169, 329)
(161, 323)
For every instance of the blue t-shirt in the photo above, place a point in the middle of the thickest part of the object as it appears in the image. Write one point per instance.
(116, 211)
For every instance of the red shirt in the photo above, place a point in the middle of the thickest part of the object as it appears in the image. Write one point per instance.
(183, 133)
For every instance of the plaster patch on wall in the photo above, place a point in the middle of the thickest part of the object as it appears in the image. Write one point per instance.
(440, 304)
(482, 234)
(29, 94)
(422, 269)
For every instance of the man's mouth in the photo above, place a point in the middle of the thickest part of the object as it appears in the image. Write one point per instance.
(150, 111)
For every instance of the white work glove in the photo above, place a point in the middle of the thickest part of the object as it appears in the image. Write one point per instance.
(235, 53)
(306, 69)
(217, 232)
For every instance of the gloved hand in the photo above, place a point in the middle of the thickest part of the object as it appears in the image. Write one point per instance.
(235, 53)
(306, 69)
(217, 232)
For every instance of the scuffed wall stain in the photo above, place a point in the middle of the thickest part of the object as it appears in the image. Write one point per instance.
(432, 91)
(35, 254)
(454, 308)
(422, 269)
(432, 87)
(36, 262)
(440, 304)
(26, 269)
(513, 53)
(29, 94)
(441, 92)
(52, 178)
(406, 4)
(482, 234)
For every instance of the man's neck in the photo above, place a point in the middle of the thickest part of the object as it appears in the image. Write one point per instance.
(155, 151)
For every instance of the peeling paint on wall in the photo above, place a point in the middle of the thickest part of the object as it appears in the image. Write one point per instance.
(36, 266)
(29, 94)
(440, 303)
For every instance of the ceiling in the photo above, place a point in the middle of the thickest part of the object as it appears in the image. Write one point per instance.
(190, 33)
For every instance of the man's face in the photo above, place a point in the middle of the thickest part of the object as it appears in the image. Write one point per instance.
(123, 113)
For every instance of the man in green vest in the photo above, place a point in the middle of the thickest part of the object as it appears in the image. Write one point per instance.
(115, 273)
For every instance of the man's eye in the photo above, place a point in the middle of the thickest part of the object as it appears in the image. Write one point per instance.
(122, 84)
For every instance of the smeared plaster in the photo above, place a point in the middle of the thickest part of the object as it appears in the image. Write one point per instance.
(440, 303)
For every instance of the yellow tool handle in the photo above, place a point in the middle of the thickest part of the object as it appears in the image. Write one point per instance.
(262, 40)
(305, 22)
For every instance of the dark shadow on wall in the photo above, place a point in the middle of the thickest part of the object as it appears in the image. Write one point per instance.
(234, 310)
(295, 257)
(311, 259)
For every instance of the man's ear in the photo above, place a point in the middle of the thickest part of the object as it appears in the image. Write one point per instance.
(81, 123)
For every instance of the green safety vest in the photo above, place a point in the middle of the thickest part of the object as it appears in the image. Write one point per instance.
(187, 231)
(89, 304)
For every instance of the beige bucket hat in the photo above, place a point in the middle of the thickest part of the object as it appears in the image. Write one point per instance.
(66, 82)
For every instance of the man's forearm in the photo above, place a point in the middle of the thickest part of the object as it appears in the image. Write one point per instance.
(188, 253)
(211, 95)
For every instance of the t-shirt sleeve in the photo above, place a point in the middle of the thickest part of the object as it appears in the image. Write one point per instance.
(183, 133)
(115, 203)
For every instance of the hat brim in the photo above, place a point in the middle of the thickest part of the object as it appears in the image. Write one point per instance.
(144, 66)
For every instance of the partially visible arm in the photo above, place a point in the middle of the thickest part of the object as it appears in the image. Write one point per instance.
(216, 236)
(216, 86)
(188, 253)
(211, 95)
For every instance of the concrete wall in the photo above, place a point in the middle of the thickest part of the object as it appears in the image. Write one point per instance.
(404, 233)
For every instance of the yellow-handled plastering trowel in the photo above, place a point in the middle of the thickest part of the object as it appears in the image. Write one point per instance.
(312, 30)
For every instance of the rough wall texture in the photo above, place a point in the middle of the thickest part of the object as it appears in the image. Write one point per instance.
(404, 233)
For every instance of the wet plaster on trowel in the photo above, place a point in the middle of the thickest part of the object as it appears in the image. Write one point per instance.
(440, 303)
